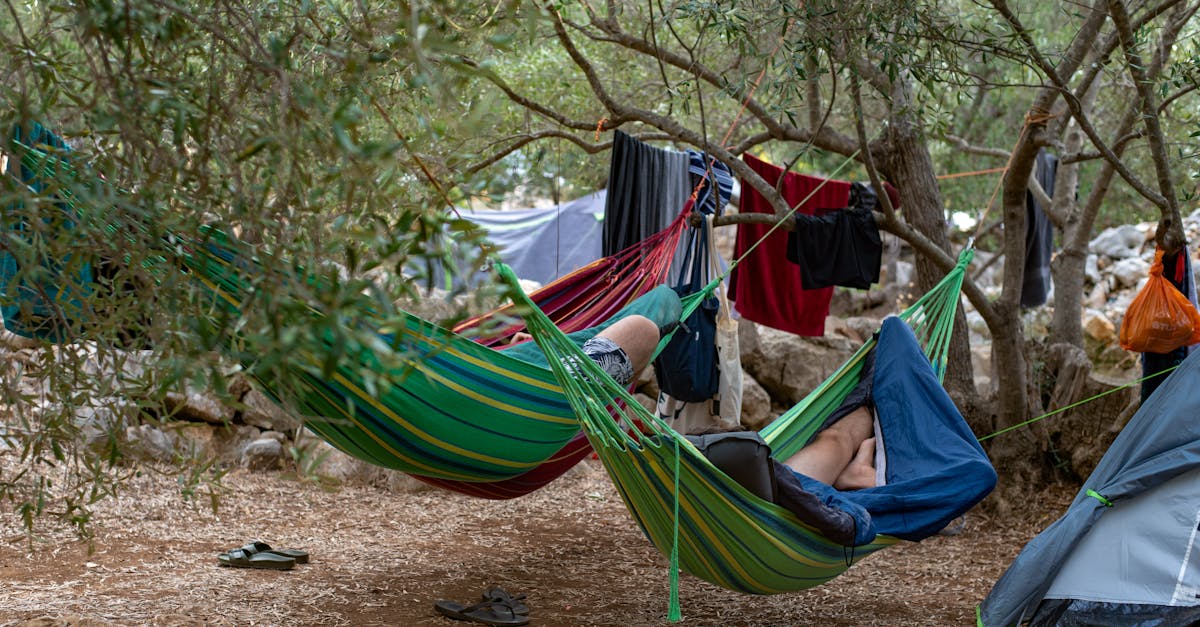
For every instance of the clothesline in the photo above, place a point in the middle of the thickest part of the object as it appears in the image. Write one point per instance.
(943, 177)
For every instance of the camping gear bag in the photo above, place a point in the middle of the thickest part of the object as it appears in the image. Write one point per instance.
(743, 456)
(1160, 319)
(687, 367)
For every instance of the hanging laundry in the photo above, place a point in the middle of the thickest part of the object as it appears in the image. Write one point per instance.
(647, 188)
(764, 285)
(839, 248)
(705, 171)
(1039, 235)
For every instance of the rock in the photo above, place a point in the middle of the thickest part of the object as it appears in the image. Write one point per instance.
(789, 366)
(317, 458)
(12, 341)
(904, 273)
(262, 454)
(1130, 272)
(1098, 327)
(862, 328)
(1098, 296)
(1118, 242)
(104, 421)
(199, 406)
(976, 324)
(262, 412)
(981, 360)
(150, 442)
(650, 404)
(756, 404)
(198, 441)
(1091, 270)
(401, 483)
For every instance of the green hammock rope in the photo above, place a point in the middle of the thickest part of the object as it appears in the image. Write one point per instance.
(685, 506)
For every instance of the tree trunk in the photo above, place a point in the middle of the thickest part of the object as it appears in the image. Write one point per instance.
(908, 164)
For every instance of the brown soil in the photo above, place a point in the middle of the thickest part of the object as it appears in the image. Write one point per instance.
(380, 558)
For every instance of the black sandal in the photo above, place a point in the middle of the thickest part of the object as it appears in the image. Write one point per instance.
(496, 594)
(486, 612)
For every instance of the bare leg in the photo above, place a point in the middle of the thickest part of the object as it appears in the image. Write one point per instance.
(637, 336)
(833, 450)
(860, 472)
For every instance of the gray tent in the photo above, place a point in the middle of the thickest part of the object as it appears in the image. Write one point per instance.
(1125, 551)
(541, 244)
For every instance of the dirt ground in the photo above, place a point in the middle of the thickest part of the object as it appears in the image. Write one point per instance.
(380, 558)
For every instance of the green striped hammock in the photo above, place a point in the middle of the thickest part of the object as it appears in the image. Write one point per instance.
(449, 411)
(708, 524)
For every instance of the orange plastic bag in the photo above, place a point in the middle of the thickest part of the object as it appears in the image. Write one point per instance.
(1160, 319)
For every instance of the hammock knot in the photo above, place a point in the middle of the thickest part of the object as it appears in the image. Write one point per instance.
(1038, 115)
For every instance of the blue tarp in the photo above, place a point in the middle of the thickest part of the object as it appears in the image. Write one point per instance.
(1161, 442)
(936, 469)
(539, 244)
(544, 244)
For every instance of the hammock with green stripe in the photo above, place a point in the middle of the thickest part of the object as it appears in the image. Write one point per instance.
(441, 407)
(708, 524)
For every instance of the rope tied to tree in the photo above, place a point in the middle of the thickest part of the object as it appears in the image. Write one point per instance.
(1035, 115)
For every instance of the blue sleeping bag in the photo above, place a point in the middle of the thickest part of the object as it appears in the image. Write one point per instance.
(936, 469)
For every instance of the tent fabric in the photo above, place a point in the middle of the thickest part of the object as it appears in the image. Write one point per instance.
(1161, 442)
(544, 244)
(1120, 559)
(540, 244)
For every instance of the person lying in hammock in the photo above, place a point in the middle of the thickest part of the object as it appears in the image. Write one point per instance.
(843, 455)
(623, 349)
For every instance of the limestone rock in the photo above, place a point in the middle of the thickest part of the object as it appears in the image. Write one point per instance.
(199, 406)
(787, 366)
(149, 442)
(262, 412)
(1118, 242)
(756, 404)
(1091, 269)
(262, 454)
(1130, 272)
(1098, 327)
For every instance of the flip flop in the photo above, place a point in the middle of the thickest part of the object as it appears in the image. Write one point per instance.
(258, 546)
(237, 558)
(486, 612)
(496, 594)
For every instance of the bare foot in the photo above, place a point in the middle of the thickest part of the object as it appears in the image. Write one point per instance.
(860, 472)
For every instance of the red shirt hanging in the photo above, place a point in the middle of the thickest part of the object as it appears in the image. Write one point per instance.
(764, 284)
